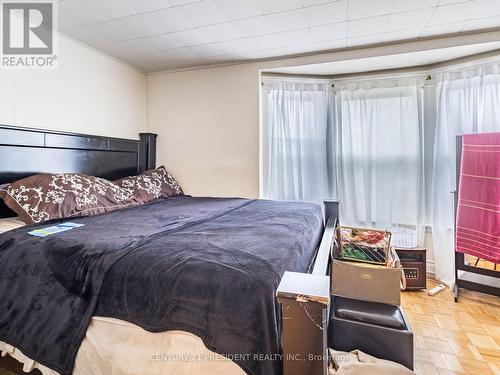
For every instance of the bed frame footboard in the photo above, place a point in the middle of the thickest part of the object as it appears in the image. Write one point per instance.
(305, 304)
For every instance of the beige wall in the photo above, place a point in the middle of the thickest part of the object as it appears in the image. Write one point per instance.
(88, 93)
(208, 126)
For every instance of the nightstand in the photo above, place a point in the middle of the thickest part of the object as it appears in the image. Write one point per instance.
(414, 264)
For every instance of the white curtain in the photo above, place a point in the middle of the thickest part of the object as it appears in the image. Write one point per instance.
(468, 101)
(297, 125)
(365, 145)
(380, 158)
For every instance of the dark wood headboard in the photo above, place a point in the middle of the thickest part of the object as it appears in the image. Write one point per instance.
(25, 152)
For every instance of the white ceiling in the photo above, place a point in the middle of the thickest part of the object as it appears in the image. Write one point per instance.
(395, 61)
(156, 35)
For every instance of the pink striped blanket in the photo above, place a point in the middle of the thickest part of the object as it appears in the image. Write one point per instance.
(478, 215)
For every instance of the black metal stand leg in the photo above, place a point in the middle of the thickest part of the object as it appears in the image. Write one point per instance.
(458, 260)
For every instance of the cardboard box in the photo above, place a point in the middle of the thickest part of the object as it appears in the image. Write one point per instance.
(366, 282)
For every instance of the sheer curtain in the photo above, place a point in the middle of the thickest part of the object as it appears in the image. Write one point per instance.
(365, 145)
(380, 157)
(296, 154)
(468, 101)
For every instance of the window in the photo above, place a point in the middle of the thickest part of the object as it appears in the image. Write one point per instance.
(386, 147)
(379, 157)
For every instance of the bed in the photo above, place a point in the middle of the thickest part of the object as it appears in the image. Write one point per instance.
(187, 275)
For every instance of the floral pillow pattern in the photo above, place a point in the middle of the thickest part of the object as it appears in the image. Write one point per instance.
(51, 196)
(150, 185)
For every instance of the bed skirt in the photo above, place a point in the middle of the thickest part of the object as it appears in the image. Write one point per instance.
(116, 347)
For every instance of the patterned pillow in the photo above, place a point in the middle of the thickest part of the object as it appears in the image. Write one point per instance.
(150, 185)
(51, 196)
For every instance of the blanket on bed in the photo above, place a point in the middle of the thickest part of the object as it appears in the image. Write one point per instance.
(202, 265)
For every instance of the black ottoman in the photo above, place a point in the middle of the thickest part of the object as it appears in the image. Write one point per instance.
(377, 329)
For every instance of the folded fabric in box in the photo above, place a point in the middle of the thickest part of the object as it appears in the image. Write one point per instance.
(363, 245)
(359, 363)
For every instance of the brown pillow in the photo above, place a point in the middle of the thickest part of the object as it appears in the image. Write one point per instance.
(150, 185)
(51, 196)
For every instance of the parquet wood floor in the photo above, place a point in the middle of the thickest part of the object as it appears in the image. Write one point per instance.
(474, 261)
(454, 338)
